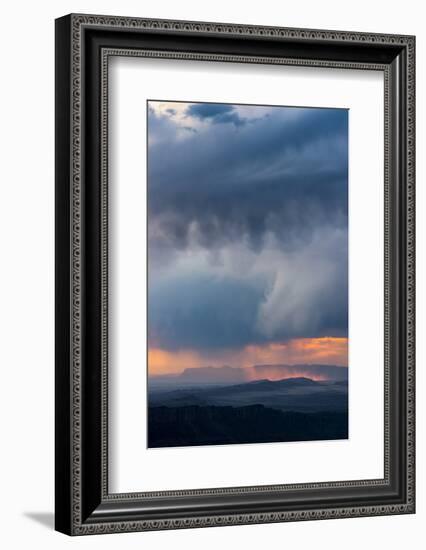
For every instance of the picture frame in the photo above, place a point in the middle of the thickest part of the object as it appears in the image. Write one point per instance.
(83, 503)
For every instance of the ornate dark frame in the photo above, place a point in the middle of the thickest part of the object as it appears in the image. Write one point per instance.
(83, 46)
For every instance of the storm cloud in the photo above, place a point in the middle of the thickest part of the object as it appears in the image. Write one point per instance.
(247, 224)
(218, 113)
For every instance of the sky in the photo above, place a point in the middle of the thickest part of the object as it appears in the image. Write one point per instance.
(247, 235)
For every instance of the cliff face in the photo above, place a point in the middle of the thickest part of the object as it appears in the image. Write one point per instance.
(211, 425)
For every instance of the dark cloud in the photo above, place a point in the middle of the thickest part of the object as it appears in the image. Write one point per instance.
(272, 196)
(202, 312)
(279, 175)
(233, 303)
(218, 113)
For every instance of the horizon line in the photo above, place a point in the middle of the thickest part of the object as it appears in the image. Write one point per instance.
(291, 365)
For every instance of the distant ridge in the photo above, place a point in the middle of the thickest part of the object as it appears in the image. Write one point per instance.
(314, 372)
(289, 394)
(301, 381)
(207, 374)
(227, 375)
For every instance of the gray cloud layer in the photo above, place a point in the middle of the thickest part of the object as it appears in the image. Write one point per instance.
(247, 226)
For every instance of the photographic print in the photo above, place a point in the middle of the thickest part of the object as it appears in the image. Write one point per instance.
(247, 273)
(202, 291)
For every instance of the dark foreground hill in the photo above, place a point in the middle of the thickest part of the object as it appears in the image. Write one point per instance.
(212, 425)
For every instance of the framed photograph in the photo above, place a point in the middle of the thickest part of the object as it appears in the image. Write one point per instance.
(234, 274)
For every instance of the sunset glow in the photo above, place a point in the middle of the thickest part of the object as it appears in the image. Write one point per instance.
(326, 350)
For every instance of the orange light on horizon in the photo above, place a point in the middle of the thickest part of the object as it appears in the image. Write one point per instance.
(325, 350)
(166, 362)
